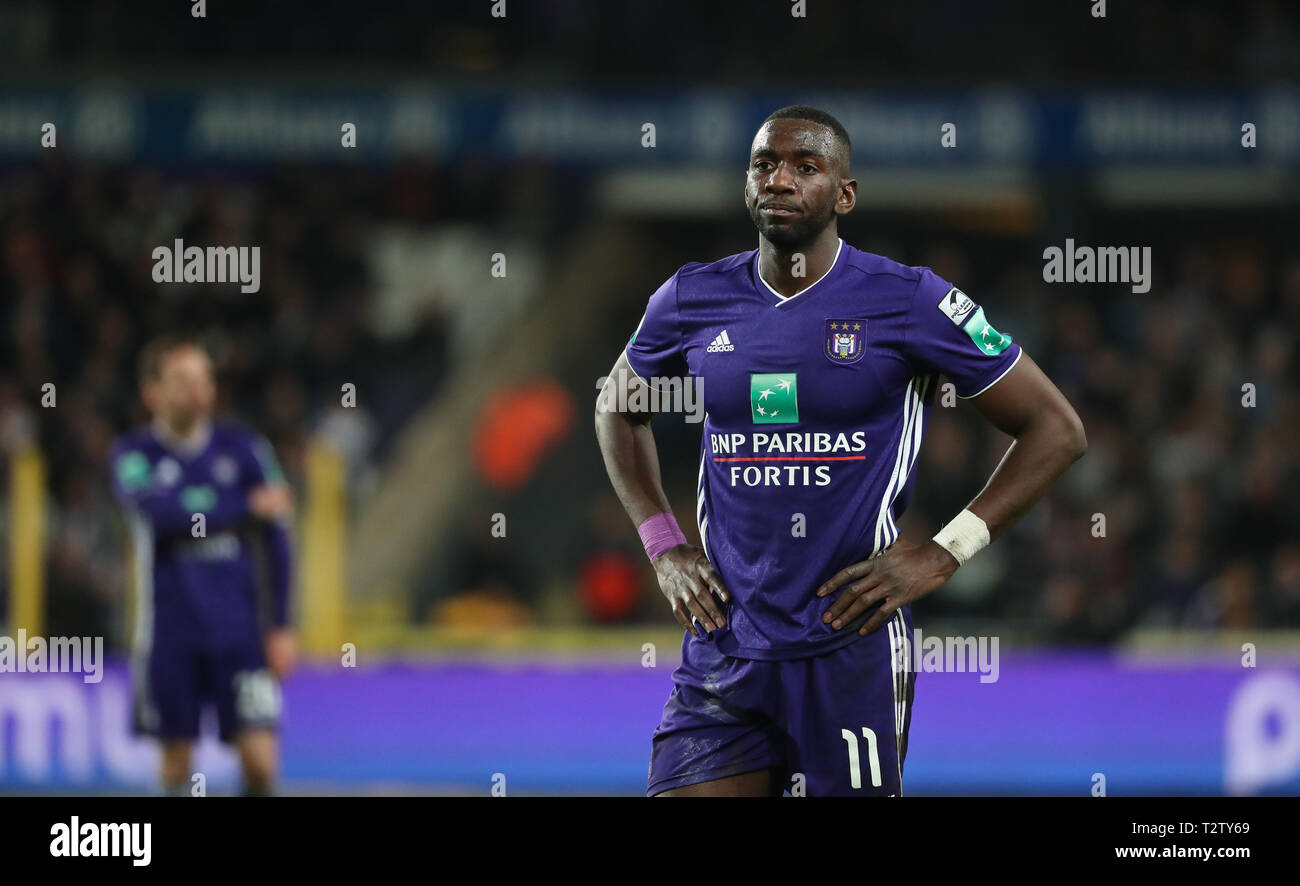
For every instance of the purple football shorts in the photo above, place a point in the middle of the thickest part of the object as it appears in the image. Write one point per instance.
(833, 725)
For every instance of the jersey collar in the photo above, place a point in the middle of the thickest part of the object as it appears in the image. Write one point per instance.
(780, 300)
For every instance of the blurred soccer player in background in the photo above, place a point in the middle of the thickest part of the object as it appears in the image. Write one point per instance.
(820, 362)
(208, 510)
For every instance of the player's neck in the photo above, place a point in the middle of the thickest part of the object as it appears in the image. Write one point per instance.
(191, 439)
(790, 271)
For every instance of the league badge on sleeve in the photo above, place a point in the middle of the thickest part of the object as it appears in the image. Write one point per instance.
(844, 340)
(957, 306)
(133, 471)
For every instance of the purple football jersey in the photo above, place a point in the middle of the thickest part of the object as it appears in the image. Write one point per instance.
(815, 407)
(208, 590)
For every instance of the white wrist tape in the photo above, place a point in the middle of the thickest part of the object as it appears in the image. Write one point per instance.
(964, 537)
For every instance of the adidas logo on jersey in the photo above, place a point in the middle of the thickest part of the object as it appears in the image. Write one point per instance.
(722, 342)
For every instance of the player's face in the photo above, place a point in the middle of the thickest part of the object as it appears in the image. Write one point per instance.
(793, 186)
(184, 391)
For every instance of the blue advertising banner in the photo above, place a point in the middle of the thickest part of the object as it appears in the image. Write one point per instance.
(591, 129)
(1050, 723)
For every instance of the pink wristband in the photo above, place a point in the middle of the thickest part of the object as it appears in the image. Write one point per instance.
(659, 533)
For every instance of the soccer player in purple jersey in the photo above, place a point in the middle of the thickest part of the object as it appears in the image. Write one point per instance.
(211, 593)
(818, 363)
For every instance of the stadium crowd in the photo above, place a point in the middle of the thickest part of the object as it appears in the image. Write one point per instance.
(541, 43)
(1182, 514)
(78, 301)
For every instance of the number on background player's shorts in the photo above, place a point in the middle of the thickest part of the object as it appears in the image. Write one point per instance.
(257, 697)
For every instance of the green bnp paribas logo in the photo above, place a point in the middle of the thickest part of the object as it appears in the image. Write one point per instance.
(198, 499)
(773, 397)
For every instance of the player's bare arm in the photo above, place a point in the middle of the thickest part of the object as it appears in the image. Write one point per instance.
(685, 574)
(1049, 437)
(274, 502)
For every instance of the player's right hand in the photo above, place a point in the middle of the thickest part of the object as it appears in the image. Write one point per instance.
(270, 501)
(689, 581)
(281, 652)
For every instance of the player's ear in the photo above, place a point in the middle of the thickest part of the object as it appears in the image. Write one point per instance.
(848, 197)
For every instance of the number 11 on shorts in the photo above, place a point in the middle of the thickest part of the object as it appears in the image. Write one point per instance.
(855, 769)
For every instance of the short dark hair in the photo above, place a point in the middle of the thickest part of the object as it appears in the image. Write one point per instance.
(816, 115)
(156, 351)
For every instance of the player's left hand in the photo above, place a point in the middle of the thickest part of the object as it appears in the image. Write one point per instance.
(903, 573)
(281, 651)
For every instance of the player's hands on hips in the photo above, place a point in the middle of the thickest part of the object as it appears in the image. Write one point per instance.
(281, 651)
(271, 501)
(903, 573)
(687, 577)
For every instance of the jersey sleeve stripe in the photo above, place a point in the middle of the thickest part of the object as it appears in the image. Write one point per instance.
(996, 380)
